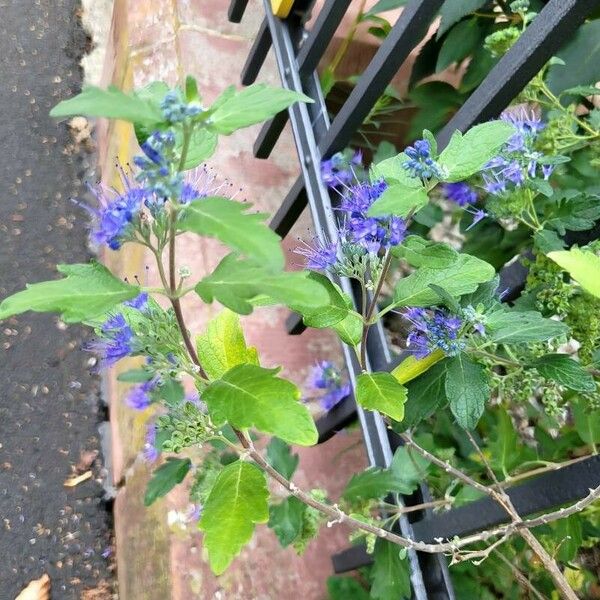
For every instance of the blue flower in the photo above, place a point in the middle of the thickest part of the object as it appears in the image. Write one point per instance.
(116, 212)
(339, 169)
(202, 183)
(432, 330)
(140, 302)
(139, 396)
(460, 193)
(175, 110)
(116, 340)
(321, 256)
(420, 163)
(149, 451)
(373, 233)
(326, 378)
(478, 215)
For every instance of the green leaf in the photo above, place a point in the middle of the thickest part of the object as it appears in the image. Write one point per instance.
(400, 200)
(419, 252)
(286, 519)
(467, 389)
(582, 90)
(281, 458)
(462, 40)
(505, 447)
(453, 11)
(202, 146)
(580, 56)
(152, 94)
(393, 171)
(165, 478)
(385, 5)
(381, 392)
(461, 277)
(349, 329)
(583, 267)
(237, 501)
(345, 588)
(338, 307)
(587, 422)
(111, 103)
(375, 483)
(425, 395)
(235, 282)
(171, 391)
(390, 573)
(575, 212)
(547, 241)
(566, 371)
(467, 154)
(229, 222)
(223, 346)
(410, 468)
(191, 89)
(569, 537)
(251, 396)
(514, 327)
(254, 104)
(86, 292)
(135, 376)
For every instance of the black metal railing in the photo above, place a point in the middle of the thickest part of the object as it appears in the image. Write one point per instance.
(298, 53)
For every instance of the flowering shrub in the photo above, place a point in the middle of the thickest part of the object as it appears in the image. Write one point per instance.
(459, 331)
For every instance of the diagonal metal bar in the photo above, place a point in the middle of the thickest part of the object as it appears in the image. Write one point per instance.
(556, 23)
(546, 492)
(236, 10)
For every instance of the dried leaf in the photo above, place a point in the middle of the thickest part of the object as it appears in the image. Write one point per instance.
(73, 481)
(39, 589)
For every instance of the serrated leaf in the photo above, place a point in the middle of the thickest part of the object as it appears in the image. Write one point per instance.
(419, 252)
(425, 394)
(566, 371)
(514, 327)
(229, 222)
(235, 282)
(583, 267)
(569, 537)
(135, 376)
(375, 483)
(453, 11)
(575, 213)
(547, 241)
(505, 446)
(393, 171)
(582, 90)
(381, 392)
(236, 503)
(410, 468)
(87, 291)
(399, 200)
(111, 103)
(281, 458)
(286, 519)
(467, 154)
(251, 396)
(254, 104)
(165, 478)
(390, 573)
(385, 5)
(467, 389)
(461, 277)
(223, 346)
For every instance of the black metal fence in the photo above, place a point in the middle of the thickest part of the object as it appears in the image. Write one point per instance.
(298, 53)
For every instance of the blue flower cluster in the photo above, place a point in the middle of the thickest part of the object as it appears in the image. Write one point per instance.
(433, 330)
(139, 397)
(460, 193)
(175, 110)
(359, 234)
(327, 379)
(420, 163)
(157, 170)
(150, 452)
(116, 341)
(339, 170)
(518, 160)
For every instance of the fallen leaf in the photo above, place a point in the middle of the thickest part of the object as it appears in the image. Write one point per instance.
(39, 589)
(73, 481)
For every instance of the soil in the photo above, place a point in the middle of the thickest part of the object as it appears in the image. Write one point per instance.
(50, 403)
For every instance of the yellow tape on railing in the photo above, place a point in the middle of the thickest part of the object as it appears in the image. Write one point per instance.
(411, 367)
(281, 8)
